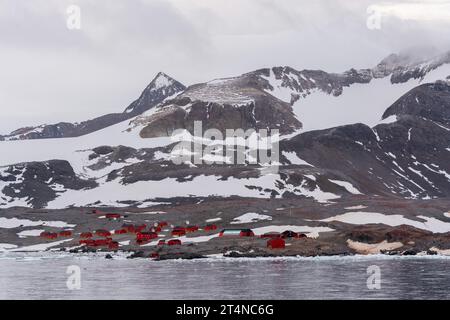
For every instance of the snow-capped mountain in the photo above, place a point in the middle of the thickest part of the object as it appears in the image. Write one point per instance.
(384, 131)
(160, 88)
(407, 156)
(288, 99)
(232, 103)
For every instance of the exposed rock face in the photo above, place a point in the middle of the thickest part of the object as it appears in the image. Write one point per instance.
(259, 100)
(39, 182)
(403, 67)
(162, 87)
(304, 82)
(409, 157)
(429, 101)
(159, 89)
(235, 103)
(264, 98)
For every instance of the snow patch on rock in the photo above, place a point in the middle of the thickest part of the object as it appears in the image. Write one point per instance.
(360, 218)
(250, 217)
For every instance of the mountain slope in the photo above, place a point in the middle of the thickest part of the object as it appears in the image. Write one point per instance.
(233, 103)
(406, 158)
(429, 101)
(409, 157)
(288, 99)
(403, 153)
(160, 88)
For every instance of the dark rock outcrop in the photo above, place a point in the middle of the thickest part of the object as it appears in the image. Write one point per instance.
(40, 182)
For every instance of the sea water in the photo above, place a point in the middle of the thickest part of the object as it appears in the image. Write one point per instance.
(45, 276)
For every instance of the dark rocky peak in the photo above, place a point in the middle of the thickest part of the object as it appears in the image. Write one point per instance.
(430, 101)
(229, 103)
(160, 88)
(409, 65)
(400, 67)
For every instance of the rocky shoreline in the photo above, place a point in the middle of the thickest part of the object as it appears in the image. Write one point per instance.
(342, 228)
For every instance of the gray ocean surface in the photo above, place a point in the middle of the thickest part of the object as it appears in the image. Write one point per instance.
(39, 276)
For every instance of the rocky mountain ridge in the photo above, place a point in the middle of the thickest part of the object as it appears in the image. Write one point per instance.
(160, 88)
(258, 99)
(264, 98)
(404, 156)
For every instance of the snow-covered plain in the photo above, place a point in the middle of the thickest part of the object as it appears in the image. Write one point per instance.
(112, 192)
(10, 223)
(74, 149)
(359, 103)
(40, 246)
(30, 233)
(359, 218)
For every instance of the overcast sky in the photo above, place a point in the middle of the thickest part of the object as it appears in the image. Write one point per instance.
(49, 73)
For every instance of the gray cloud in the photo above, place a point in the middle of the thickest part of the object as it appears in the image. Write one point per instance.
(50, 73)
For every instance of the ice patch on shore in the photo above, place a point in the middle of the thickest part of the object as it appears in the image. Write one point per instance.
(30, 233)
(6, 246)
(185, 239)
(40, 246)
(443, 252)
(366, 248)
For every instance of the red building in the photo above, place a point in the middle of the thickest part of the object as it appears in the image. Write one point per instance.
(210, 227)
(103, 233)
(65, 233)
(178, 232)
(146, 236)
(86, 235)
(49, 235)
(174, 242)
(276, 243)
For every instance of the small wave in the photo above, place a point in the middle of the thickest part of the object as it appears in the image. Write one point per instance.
(34, 256)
